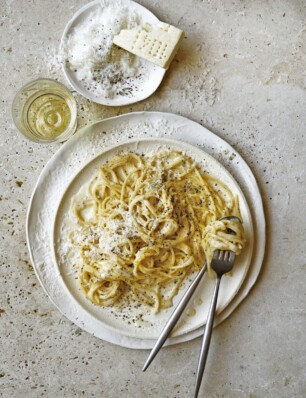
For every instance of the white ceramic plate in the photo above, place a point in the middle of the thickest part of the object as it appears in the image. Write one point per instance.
(154, 73)
(126, 321)
(85, 146)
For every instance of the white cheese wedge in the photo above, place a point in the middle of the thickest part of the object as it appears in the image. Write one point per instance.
(156, 43)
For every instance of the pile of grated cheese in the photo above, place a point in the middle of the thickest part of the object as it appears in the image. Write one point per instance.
(103, 68)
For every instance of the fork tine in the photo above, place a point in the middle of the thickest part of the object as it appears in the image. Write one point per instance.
(232, 256)
(224, 255)
(216, 254)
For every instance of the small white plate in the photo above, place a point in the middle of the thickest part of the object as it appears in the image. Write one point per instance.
(146, 87)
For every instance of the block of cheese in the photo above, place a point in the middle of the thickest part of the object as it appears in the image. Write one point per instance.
(156, 43)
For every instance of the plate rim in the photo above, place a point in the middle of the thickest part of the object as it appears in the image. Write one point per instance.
(256, 209)
(68, 77)
(159, 141)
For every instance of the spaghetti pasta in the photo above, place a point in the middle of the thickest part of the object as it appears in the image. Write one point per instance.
(148, 221)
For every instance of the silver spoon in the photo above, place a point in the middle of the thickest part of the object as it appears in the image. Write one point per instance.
(174, 318)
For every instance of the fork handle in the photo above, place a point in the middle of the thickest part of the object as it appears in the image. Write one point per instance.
(206, 338)
(174, 317)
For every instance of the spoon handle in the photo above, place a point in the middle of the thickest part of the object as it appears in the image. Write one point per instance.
(207, 337)
(174, 317)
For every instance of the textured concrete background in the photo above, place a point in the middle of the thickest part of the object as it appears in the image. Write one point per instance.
(241, 73)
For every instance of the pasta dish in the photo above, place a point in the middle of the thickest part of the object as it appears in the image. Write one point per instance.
(145, 222)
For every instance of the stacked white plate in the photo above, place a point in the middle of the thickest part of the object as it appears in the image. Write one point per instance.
(77, 161)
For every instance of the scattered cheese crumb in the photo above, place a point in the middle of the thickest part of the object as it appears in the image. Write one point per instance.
(191, 311)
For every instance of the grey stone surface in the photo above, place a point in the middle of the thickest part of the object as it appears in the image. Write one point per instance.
(241, 73)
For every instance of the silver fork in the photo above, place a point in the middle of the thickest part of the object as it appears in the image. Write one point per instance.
(181, 307)
(222, 262)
